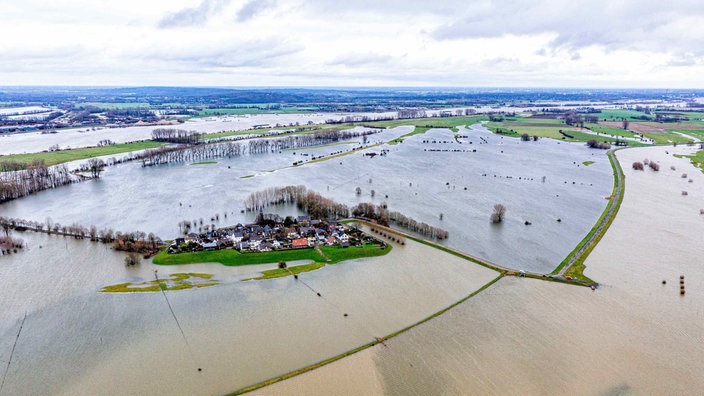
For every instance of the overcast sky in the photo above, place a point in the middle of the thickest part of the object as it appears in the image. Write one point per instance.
(467, 43)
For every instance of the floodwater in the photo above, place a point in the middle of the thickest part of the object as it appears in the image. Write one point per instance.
(633, 335)
(76, 340)
(461, 185)
(88, 136)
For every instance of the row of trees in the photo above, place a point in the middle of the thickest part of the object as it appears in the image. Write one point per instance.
(135, 241)
(383, 216)
(36, 177)
(171, 135)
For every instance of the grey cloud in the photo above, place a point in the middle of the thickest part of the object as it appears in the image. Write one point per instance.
(252, 8)
(360, 59)
(627, 24)
(193, 16)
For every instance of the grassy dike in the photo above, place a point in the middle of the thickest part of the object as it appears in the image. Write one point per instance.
(360, 348)
(576, 270)
(61, 156)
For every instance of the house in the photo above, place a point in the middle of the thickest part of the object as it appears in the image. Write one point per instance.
(243, 246)
(300, 243)
(209, 245)
(305, 231)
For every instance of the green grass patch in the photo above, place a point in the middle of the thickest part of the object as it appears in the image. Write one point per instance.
(231, 257)
(416, 131)
(609, 130)
(587, 163)
(281, 272)
(246, 177)
(619, 114)
(59, 157)
(205, 163)
(697, 159)
(430, 122)
(667, 138)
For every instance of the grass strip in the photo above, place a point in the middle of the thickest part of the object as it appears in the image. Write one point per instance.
(61, 156)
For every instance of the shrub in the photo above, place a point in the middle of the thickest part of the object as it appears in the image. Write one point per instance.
(685, 193)
(654, 166)
(525, 137)
(282, 264)
(638, 165)
(684, 175)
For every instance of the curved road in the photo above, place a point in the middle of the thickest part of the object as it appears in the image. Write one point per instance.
(604, 221)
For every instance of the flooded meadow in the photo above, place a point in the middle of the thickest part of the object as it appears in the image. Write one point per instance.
(77, 340)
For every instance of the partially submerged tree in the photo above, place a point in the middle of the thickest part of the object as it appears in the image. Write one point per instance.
(132, 259)
(638, 165)
(498, 215)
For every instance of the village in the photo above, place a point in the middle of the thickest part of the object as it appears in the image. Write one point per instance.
(271, 232)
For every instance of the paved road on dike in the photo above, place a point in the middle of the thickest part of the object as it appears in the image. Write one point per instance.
(604, 221)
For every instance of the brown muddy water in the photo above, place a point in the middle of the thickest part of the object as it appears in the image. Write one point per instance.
(633, 335)
(78, 341)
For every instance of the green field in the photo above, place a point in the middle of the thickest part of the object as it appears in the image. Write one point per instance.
(609, 130)
(619, 114)
(59, 157)
(231, 257)
(253, 110)
(434, 122)
(696, 158)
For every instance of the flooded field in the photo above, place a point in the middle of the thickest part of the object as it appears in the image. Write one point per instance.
(78, 341)
(539, 182)
(633, 335)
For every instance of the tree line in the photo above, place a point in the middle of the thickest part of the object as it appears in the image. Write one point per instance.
(170, 135)
(35, 177)
(201, 152)
(135, 241)
(383, 216)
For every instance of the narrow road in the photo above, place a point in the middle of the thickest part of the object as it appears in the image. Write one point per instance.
(613, 208)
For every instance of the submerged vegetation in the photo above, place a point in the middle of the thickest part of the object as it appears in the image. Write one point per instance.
(178, 281)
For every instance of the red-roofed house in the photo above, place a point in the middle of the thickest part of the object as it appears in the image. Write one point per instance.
(300, 243)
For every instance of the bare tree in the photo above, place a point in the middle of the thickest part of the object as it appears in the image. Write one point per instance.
(498, 215)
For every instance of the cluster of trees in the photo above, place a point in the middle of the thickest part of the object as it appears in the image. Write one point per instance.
(593, 143)
(9, 244)
(383, 216)
(136, 241)
(35, 177)
(191, 153)
(273, 196)
(164, 155)
(94, 166)
(308, 201)
(171, 135)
